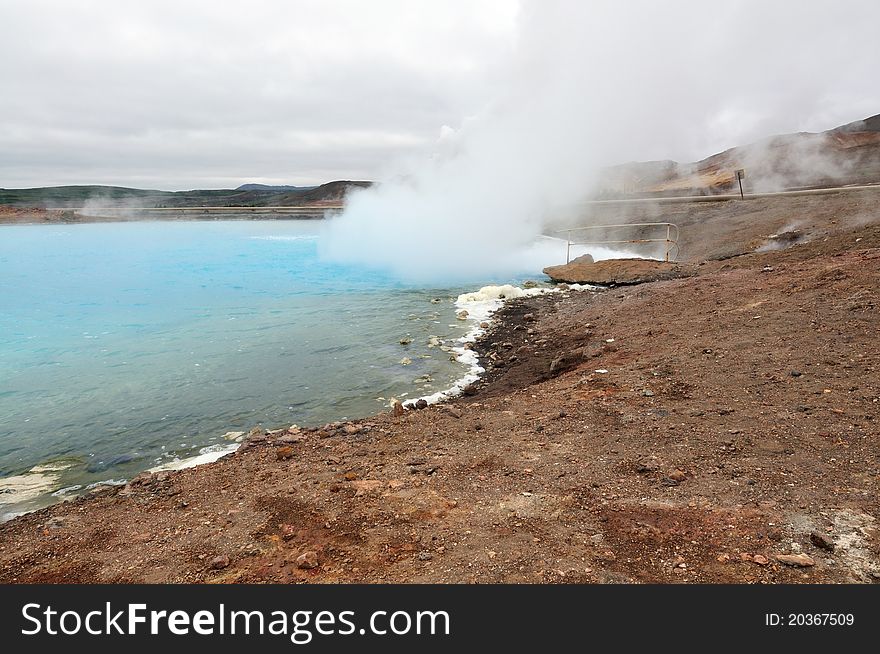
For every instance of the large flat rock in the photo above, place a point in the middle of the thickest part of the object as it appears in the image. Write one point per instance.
(615, 272)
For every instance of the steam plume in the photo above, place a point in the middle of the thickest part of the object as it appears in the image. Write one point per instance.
(593, 84)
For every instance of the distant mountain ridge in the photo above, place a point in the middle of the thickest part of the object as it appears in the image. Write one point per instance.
(265, 187)
(848, 154)
(331, 193)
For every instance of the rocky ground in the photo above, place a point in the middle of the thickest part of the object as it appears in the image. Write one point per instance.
(721, 427)
(28, 215)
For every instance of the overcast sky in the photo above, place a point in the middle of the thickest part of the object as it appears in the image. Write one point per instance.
(184, 94)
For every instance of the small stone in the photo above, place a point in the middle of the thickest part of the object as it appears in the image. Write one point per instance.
(462, 315)
(822, 541)
(405, 361)
(648, 392)
(219, 562)
(405, 341)
(796, 560)
(796, 373)
(288, 532)
(307, 560)
(284, 453)
(350, 476)
(452, 411)
(529, 317)
(421, 404)
(484, 325)
(351, 430)
(425, 556)
(760, 560)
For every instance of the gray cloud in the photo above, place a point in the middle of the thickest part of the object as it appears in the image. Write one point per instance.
(200, 94)
(186, 94)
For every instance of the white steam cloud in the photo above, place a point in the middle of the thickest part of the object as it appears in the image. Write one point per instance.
(597, 83)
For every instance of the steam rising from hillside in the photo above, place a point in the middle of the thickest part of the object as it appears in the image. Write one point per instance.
(593, 84)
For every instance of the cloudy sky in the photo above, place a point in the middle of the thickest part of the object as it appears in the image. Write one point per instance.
(205, 94)
(189, 94)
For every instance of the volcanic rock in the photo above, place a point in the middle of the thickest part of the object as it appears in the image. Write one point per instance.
(796, 560)
(617, 271)
(307, 560)
(220, 562)
(822, 541)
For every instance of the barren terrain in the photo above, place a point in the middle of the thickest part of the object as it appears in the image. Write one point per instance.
(717, 428)
(848, 154)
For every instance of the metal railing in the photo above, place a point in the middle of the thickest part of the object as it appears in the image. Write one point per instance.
(670, 239)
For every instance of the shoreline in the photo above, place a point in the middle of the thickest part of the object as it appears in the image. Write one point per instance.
(484, 303)
(10, 215)
(480, 305)
(94, 220)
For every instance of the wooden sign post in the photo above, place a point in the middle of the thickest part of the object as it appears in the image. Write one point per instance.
(739, 178)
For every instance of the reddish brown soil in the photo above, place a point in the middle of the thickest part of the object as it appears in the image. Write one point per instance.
(14, 215)
(737, 421)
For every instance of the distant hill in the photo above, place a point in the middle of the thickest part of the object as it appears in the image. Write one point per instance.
(121, 197)
(871, 124)
(331, 191)
(264, 187)
(849, 154)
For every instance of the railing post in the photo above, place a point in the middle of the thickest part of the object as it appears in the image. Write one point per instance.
(669, 241)
(666, 258)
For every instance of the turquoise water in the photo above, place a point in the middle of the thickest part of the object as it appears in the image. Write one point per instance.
(127, 345)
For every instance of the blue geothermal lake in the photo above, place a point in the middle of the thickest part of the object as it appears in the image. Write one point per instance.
(124, 346)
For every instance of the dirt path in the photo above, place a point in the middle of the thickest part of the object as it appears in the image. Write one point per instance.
(691, 430)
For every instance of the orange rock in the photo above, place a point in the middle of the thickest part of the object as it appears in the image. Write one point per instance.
(796, 560)
(284, 453)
